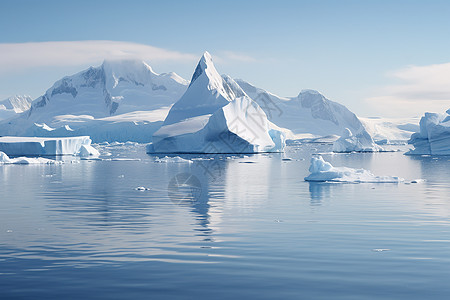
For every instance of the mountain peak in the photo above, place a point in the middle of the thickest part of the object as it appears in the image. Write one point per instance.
(206, 57)
(204, 63)
(207, 92)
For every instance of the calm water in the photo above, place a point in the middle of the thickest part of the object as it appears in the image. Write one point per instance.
(242, 228)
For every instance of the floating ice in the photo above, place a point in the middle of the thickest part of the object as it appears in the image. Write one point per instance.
(418, 181)
(361, 142)
(4, 159)
(142, 188)
(175, 159)
(324, 171)
(15, 146)
(87, 151)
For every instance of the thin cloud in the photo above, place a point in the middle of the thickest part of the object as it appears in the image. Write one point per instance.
(22, 56)
(419, 89)
(230, 55)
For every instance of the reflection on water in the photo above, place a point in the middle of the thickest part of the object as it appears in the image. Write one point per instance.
(232, 227)
(319, 191)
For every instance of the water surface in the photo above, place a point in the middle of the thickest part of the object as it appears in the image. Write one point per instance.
(230, 227)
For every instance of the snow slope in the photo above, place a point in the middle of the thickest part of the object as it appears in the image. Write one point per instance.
(322, 171)
(15, 146)
(309, 115)
(215, 116)
(433, 137)
(86, 101)
(14, 105)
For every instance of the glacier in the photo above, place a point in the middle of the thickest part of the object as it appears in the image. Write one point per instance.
(391, 130)
(215, 115)
(120, 100)
(323, 171)
(433, 138)
(34, 146)
(361, 142)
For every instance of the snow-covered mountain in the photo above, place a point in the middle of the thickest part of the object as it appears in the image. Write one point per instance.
(215, 116)
(308, 115)
(117, 99)
(14, 105)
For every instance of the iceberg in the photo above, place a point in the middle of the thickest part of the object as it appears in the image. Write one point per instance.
(361, 142)
(433, 137)
(216, 116)
(322, 171)
(16, 146)
(4, 159)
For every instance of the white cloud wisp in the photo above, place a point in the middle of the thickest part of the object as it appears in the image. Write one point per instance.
(22, 56)
(419, 89)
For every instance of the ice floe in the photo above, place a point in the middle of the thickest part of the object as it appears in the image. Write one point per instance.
(324, 171)
(175, 159)
(360, 142)
(4, 159)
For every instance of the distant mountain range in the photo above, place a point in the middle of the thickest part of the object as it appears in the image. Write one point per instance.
(126, 100)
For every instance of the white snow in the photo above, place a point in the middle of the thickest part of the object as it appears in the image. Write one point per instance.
(362, 142)
(433, 137)
(4, 159)
(215, 116)
(15, 146)
(323, 171)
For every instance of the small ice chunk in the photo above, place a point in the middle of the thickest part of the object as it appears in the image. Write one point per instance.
(323, 171)
(88, 150)
(175, 159)
(417, 180)
(125, 159)
(142, 188)
(361, 142)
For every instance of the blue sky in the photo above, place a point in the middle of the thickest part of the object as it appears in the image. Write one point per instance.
(367, 55)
